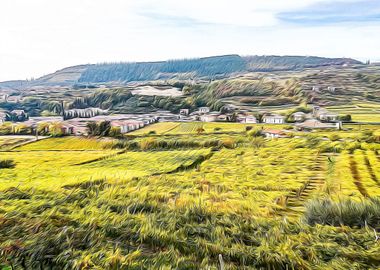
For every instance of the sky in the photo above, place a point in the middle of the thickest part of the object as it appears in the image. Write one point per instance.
(38, 37)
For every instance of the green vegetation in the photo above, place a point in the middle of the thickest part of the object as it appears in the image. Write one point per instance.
(183, 199)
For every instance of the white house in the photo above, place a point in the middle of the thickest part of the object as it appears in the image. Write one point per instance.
(316, 124)
(204, 109)
(272, 133)
(299, 116)
(3, 116)
(250, 119)
(222, 118)
(208, 117)
(328, 116)
(184, 112)
(273, 119)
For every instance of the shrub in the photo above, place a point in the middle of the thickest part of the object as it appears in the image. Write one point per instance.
(147, 143)
(347, 212)
(255, 133)
(334, 137)
(7, 164)
(229, 143)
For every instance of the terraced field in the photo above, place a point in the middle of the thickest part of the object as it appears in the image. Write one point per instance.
(78, 203)
(169, 128)
(360, 111)
(73, 160)
(7, 142)
(357, 174)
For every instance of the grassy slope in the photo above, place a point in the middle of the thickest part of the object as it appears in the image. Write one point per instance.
(232, 204)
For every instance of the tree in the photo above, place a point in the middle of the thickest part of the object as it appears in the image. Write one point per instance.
(200, 130)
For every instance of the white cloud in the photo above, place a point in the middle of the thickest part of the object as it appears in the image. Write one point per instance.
(40, 36)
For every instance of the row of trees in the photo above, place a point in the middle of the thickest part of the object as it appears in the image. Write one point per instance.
(210, 66)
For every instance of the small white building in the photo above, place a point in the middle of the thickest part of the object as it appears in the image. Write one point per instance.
(128, 125)
(273, 119)
(299, 116)
(250, 119)
(204, 109)
(328, 116)
(3, 116)
(184, 112)
(274, 133)
(208, 117)
(18, 112)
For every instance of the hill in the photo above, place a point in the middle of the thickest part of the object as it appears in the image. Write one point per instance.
(207, 67)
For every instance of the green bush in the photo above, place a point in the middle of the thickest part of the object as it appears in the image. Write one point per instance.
(347, 213)
(7, 164)
(255, 133)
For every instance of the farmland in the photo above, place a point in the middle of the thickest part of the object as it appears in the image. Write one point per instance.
(188, 203)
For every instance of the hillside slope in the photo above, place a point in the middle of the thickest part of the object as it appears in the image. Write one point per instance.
(207, 68)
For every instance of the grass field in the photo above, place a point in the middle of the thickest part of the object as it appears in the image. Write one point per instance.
(170, 128)
(76, 203)
(7, 142)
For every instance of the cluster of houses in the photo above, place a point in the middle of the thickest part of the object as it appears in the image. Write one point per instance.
(10, 99)
(204, 114)
(78, 126)
(319, 118)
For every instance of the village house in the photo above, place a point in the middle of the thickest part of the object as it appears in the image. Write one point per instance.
(273, 119)
(249, 119)
(311, 124)
(204, 110)
(67, 129)
(18, 112)
(3, 117)
(331, 89)
(184, 112)
(222, 118)
(210, 117)
(324, 115)
(299, 116)
(13, 99)
(4, 97)
(128, 125)
(274, 133)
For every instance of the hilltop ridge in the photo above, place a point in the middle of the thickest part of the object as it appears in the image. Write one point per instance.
(206, 67)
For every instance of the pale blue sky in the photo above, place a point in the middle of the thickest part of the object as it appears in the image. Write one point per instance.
(40, 36)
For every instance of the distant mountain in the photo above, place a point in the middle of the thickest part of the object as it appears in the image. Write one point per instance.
(207, 68)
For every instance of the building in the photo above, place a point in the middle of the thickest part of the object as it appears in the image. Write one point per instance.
(273, 119)
(18, 112)
(128, 125)
(14, 99)
(208, 117)
(222, 118)
(274, 133)
(184, 112)
(311, 124)
(3, 117)
(324, 115)
(328, 117)
(250, 119)
(67, 129)
(331, 89)
(204, 110)
(299, 116)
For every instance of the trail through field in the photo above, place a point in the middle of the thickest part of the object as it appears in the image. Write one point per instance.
(297, 198)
